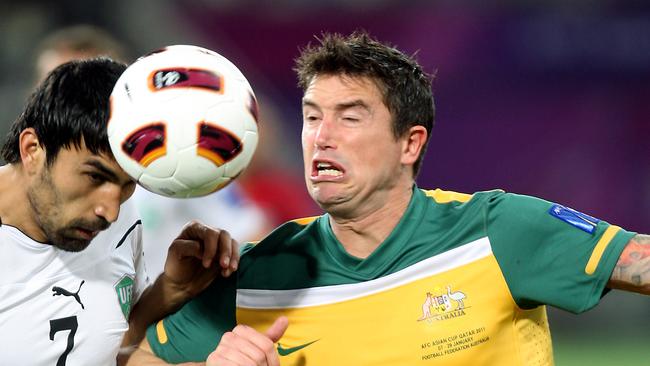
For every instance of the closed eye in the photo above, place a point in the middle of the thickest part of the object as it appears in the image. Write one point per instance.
(97, 178)
(311, 118)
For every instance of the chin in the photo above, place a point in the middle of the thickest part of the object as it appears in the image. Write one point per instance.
(324, 201)
(333, 205)
(71, 245)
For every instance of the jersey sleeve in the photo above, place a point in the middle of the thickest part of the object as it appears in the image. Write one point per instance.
(142, 280)
(550, 254)
(193, 332)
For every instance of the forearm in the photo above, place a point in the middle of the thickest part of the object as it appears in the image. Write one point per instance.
(194, 259)
(140, 357)
(157, 301)
(632, 272)
(143, 356)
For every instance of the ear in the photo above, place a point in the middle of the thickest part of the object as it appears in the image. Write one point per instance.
(413, 143)
(32, 154)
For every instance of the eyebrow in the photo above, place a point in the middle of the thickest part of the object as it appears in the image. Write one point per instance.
(339, 106)
(103, 169)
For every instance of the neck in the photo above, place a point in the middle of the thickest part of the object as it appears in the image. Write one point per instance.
(14, 205)
(361, 235)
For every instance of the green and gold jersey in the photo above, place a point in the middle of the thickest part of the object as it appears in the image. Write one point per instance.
(462, 280)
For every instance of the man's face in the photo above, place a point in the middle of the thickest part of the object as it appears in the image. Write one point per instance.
(76, 197)
(351, 157)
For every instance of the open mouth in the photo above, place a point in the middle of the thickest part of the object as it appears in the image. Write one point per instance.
(86, 234)
(326, 169)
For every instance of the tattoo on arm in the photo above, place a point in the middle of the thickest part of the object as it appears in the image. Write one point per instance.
(632, 272)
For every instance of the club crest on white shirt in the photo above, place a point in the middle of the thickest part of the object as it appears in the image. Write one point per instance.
(124, 290)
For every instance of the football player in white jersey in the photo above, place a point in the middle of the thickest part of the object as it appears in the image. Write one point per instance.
(162, 217)
(73, 287)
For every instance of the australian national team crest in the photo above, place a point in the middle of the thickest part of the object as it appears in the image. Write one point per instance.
(124, 289)
(442, 305)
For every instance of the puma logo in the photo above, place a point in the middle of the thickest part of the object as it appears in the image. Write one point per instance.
(61, 291)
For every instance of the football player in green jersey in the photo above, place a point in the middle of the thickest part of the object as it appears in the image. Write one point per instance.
(393, 274)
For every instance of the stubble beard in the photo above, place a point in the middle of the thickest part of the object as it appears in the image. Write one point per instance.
(45, 202)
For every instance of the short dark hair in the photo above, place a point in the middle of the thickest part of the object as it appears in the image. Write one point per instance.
(69, 107)
(406, 89)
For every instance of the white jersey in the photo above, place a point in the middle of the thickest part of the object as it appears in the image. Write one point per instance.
(64, 308)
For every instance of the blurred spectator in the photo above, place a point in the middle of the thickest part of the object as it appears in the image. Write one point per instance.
(76, 42)
(162, 217)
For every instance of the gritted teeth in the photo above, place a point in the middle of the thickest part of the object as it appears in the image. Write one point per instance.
(330, 172)
(323, 168)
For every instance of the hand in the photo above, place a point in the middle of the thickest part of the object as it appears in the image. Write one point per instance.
(245, 346)
(197, 255)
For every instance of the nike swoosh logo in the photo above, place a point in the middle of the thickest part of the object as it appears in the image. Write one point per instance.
(287, 351)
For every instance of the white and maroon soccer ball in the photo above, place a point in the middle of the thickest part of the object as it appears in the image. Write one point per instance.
(183, 121)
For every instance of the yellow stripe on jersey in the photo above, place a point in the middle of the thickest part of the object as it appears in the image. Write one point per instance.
(305, 220)
(441, 196)
(161, 333)
(462, 315)
(602, 244)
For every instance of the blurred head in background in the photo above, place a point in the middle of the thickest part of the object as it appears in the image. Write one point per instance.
(76, 42)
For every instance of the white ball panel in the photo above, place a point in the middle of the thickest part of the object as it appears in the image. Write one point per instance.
(169, 186)
(195, 170)
(181, 87)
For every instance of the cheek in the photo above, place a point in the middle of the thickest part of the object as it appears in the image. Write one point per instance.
(307, 137)
(73, 196)
(71, 192)
(307, 146)
(376, 156)
(372, 150)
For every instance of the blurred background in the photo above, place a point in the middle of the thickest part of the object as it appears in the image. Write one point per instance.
(547, 98)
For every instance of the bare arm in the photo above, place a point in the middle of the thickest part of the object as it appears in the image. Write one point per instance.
(242, 346)
(147, 310)
(194, 259)
(632, 272)
(143, 356)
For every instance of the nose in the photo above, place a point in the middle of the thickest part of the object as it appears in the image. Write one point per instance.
(324, 134)
(108, 205)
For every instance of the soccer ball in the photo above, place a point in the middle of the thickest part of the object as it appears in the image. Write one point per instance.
(183, 121)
